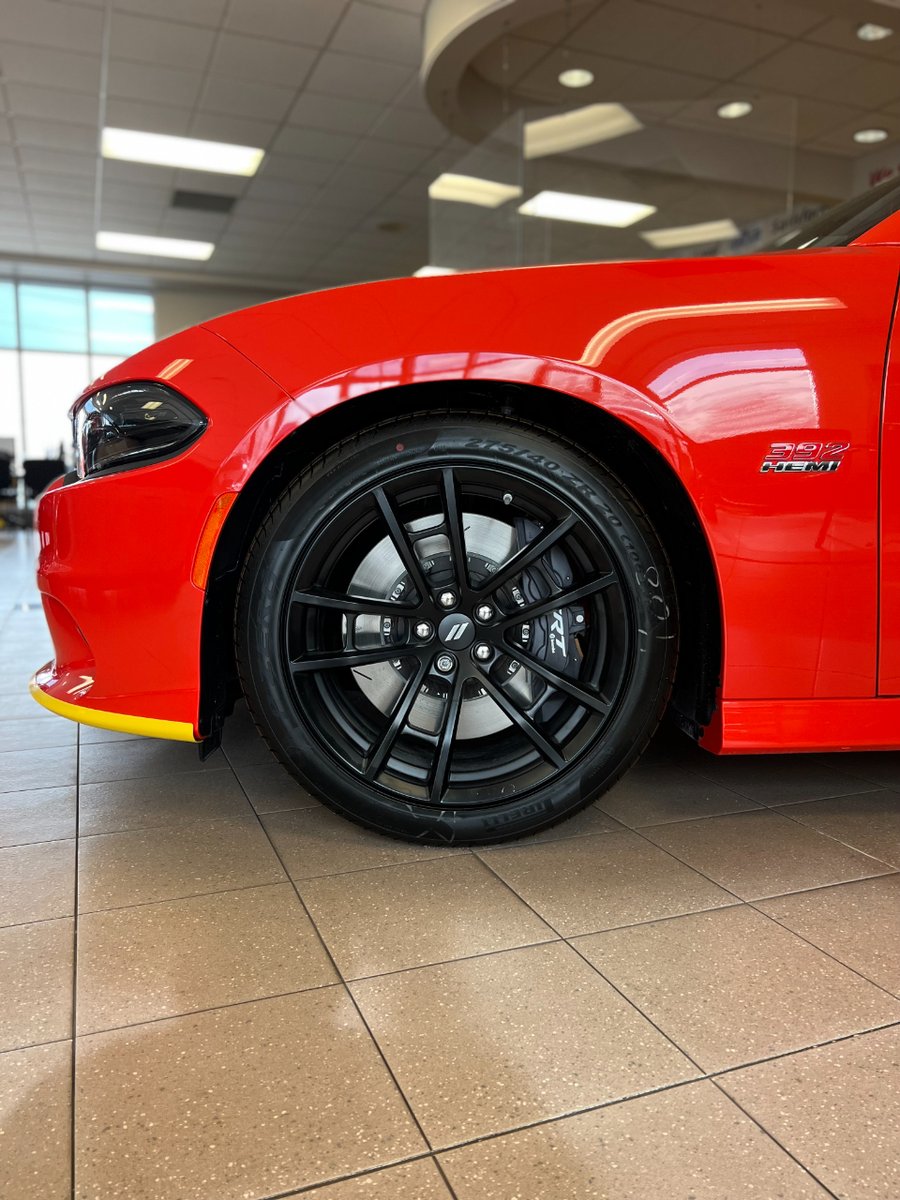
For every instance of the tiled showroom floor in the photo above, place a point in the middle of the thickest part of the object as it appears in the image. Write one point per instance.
(691, 991)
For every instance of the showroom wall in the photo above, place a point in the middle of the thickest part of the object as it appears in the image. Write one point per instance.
(179, 308)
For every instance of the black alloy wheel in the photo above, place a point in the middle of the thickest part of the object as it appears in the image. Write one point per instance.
(456, 630)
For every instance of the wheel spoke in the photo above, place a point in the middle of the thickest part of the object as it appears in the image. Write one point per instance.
(402, 542)
(381, 752)
(328, 660)
(352, 604)
(561, 600)
(455, 530)
(528, 554)
(563, 683)
(548, 748)
(441, 770)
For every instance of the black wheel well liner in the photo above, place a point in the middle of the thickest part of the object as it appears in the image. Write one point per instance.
(642, 470)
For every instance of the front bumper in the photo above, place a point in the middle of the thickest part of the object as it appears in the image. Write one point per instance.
(117, 553)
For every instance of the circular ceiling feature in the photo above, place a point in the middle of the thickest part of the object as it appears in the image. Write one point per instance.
(870, 32)
(869, 136)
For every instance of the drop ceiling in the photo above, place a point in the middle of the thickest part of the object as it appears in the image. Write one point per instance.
(330, 90)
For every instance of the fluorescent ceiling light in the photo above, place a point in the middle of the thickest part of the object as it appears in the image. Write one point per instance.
(576, 77)
(193, 154)
(868, 136)
(469, 189)
(870, 32)
(580, 127)
(691, 235)
(432, 270)
(136, 243)
(589, 210)
(734, 109)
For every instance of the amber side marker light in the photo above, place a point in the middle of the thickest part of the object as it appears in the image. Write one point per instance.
(209, 537)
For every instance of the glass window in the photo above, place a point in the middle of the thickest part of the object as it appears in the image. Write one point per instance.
(8, 332)
(51, 382)
(121, 322)
(10, 405)
(52, 318)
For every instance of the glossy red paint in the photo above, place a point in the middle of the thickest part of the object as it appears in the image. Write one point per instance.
(711, 361)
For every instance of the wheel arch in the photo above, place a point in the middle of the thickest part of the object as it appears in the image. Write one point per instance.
(643, 470)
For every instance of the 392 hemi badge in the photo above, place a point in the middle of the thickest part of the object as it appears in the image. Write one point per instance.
(808, 458)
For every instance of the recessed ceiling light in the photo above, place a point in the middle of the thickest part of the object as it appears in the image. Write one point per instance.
(136, 243)
(589, 210)
(734, 109)
(576, 77)
(430, 269)
(469, 189)
(580, 127)
(691, 235)
(867, 136)
(193, 154)
(870, 32)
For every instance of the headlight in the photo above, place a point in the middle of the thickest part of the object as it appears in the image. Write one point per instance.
(131, 424)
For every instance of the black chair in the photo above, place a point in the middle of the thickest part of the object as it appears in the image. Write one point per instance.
(39, 474)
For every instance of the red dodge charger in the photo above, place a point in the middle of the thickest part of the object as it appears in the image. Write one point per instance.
(461, 541)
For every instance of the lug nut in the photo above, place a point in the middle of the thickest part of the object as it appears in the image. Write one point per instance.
(447, 599)
(484, 612)
(424, 630)
(445, 663)
(482, 651)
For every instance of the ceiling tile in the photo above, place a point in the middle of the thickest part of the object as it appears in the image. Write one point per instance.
(801, 68)
(226, 127)
(147, 39)
(285, 168)
(314, 143)
(142, 81)
(378, 153)
(49, 23)
(145, 115)
(389, 34)
(62, 161)
(32, 100)
(358, 78)
(337, 113)
(261, 60)
(31, 131)
(409, 127)
(55, 68)
(245, 99)
(307, 22)
(197, 12)
(64, 185)
(775, 16)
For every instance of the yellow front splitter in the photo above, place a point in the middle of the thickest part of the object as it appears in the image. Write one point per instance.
(176, 731)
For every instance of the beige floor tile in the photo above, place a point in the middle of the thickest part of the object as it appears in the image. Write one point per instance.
(763, 854)
(39, 815)
(20, 705)
(35, 983)
(101, 762)
(652, 795)
(418, 913)
(837, 1108)
(782, 778)
(590, 820)
(870, 823)
(54, 766)
(240, 1102)
(35, 1123)
(486, 1044)
(159, 800)
(732, 986)
(90, 733)
(33, 733)
(271, 789)
(243, 744)
(143, 865)
(878, 769)
(160, 960)
(412, 1181)
(591, 883)
(857, 923)
(316, 841)
(37, 882)
(687, 1142)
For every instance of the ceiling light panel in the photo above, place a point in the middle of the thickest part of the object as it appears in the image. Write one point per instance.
(580, 127)
(192, 154)
(469, 189)
(734, 109)
(163, 247)
(691, 235)
(870, 32)
(576, 77)
(587, 210)
(867, 137)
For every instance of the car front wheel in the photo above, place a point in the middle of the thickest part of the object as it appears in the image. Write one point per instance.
(456, 629)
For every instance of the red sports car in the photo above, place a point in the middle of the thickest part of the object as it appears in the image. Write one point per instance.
(460, 541)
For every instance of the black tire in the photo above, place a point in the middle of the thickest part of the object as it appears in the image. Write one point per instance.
(355, 559)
